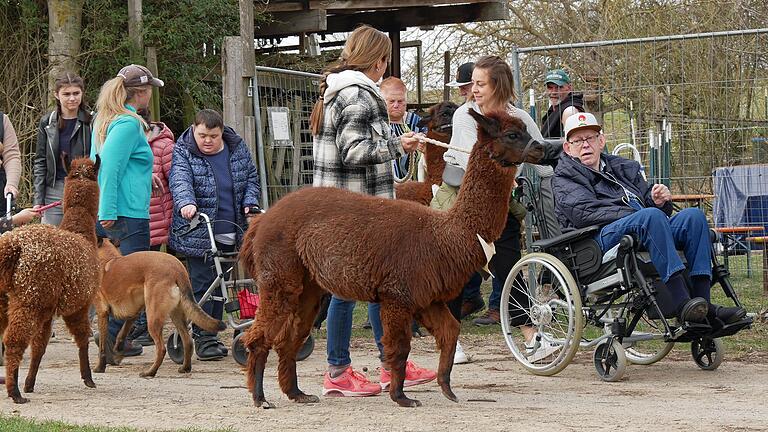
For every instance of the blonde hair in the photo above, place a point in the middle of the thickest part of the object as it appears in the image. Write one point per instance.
(500, 77)
(111, 104)
(363, 49)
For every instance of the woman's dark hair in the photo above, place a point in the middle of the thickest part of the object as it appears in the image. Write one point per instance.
(68, 79)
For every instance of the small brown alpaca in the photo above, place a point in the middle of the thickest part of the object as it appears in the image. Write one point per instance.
(409, 258)
(45, 272)
(156, 281)
(439, 122)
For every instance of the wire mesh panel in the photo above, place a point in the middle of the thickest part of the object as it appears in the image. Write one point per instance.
(284, 101)
(691, 106)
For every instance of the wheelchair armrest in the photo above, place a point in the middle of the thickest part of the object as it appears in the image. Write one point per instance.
(568, 237)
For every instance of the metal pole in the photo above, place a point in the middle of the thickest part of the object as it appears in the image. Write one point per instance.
(260, 144)
(516, 77)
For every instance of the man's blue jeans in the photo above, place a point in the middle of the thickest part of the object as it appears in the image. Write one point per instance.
(134, 237)
(339, 323)
(662, 236)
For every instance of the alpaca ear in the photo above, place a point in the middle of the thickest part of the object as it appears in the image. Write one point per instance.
(488, 127)
(424, 121)
(97, 164)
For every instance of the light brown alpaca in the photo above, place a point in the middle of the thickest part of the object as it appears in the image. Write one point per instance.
(45, 272)
(409, 258)
(156, 281)
(439, 122)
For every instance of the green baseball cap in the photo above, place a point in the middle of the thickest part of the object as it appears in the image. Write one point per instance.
(558, 77)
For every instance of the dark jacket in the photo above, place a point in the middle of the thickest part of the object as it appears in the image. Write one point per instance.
(552, 122)
(48, 146)
(192, 182)
(584, 197)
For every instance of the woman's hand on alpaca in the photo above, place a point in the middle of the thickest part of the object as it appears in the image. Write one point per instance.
(107, 223)
(25, 216)
(157, 186)
(188, 211)
(409, 142)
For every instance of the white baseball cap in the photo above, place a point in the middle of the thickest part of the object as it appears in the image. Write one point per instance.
(580, 121)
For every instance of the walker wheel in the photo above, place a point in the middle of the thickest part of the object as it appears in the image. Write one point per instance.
(306, 349)
(610, 360)
(175, 348)
(707, 353)
(239, 353)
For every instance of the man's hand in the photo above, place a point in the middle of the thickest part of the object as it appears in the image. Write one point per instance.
(660, 194)
(188, 211)
(409, 142)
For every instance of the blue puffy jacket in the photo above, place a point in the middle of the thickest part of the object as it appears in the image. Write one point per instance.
(192, 182)
(584, 197)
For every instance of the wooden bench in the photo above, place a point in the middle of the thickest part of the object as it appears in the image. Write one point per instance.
(733, 234)
(764, 241)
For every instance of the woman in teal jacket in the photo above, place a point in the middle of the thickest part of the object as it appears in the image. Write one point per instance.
(125, 175)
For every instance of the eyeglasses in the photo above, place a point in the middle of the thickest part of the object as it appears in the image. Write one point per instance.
(588, 140)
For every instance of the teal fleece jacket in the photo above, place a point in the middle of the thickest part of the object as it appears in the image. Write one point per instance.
(125, 175)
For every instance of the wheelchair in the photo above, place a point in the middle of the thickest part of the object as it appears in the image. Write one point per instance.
(575, 296)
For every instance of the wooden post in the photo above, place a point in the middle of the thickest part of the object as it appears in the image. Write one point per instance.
(232, 101)
(64, 27)
(447, 75)
(135, 29)
(154, 108)
(394, 67)
(247, 72)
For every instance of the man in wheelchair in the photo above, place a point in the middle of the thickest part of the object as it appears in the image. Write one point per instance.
(596, 189)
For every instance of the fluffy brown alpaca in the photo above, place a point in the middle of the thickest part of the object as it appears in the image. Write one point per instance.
(156, 281)
(439, 122)
(409, 258)
(45, 272)
(81, 199)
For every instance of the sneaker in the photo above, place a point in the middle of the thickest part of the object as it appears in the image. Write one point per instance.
(694, 310)
(472, 306)
(349, 384)
(460, 357)
(490, 317)
(414, 375)
(544, 350)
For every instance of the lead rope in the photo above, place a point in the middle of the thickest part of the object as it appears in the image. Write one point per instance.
(409, 175)
(442, 144)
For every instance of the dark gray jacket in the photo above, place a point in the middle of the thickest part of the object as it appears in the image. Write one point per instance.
(48, 147)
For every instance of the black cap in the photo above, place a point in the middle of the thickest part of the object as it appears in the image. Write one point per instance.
(463, 75)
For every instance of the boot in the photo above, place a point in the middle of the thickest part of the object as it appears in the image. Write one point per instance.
(207, 346)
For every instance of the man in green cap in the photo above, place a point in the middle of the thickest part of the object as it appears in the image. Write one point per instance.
(562, 103)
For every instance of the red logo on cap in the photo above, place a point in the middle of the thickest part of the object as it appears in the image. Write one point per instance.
(582, 117)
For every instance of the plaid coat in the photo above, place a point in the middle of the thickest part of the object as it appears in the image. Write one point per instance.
(355, 146)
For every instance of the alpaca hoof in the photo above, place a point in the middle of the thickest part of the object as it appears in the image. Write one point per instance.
(19, 399)
(185, 369)
(408, 403)
(148, 374)
(29, 388)
(305, 398)
(89, 383)
(448, 393)
(263, 404)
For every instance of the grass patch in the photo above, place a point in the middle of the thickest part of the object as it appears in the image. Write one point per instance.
(20, 424)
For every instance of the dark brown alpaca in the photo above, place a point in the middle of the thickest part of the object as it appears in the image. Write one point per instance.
(439, 122)
(45, 272)
(408, 257)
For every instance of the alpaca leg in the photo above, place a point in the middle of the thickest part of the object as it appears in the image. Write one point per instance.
(182, 329)
(39, 344)
(104, 348)
(80, 327)
(155, 329)
(309, 304)
(396, 321)
(16, 339)
(258, 349)
(444, 327)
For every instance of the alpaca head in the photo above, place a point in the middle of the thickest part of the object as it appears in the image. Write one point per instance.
(506, 139)
(84, 168)
(439, 117)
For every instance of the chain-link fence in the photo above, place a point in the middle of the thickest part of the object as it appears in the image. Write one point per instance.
(695, 107)
(283, 101)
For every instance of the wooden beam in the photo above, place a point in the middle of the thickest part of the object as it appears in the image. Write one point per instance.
(154, 109)
(135, 32)
(289, 23)
(246, 33)
(352, 5)
(232, 79)
(394, 63)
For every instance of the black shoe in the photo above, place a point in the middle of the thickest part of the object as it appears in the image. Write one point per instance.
(726, 314)
(130, 349)
(367, 324)
(472, 306)
(694, 310)
(141, 336)
(207, 346)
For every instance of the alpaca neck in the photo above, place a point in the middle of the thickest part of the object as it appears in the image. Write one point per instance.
(434, 157)
(483, 201)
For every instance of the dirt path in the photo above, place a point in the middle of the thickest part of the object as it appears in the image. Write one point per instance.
(495, 394)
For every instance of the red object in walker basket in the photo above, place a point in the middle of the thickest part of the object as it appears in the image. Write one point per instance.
(249, 302)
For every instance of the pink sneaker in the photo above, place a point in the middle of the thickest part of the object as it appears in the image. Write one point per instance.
(414, 375)
(349, 383)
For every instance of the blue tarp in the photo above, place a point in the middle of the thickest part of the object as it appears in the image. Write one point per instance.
(741, 196)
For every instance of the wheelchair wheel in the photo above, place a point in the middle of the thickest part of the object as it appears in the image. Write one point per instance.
(541, 292)
(610, 360)
(648, 345)
(175, 348)
(239, 353)
(707, 353)
(306, 349)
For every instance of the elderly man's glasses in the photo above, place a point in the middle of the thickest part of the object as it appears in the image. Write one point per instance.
(588, 140)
